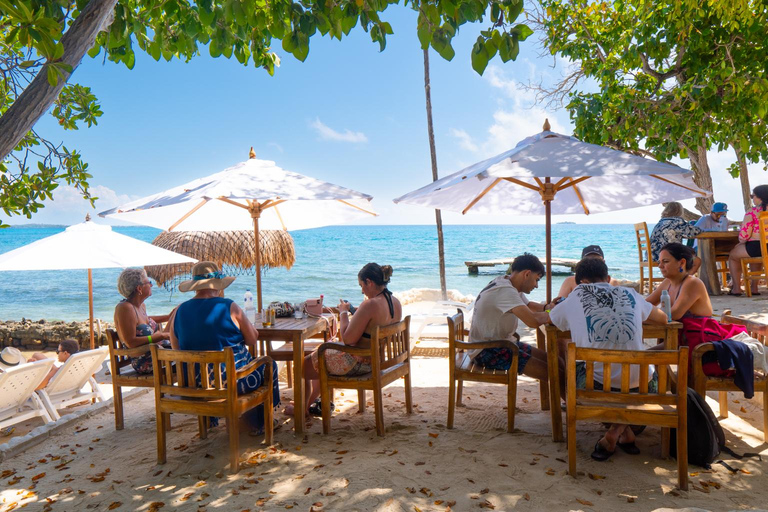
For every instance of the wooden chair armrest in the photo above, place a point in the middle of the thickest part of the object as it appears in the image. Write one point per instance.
(467, 345)
(355, 351)
(698, 354)
(252, 366)
(131, 352)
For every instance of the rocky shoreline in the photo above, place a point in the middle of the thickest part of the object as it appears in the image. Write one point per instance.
(46, 335)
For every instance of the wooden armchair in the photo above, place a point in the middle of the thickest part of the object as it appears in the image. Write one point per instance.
(461, 368)
(123, 373)
(205, 398)
(761, 261)
(646, 261)
(390, 360)
(703, 383)
(627, 406)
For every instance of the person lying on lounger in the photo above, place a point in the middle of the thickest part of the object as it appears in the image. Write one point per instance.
(66, 348)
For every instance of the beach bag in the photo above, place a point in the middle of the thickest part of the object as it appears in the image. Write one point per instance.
(706, 438)
(314, 306)
(282, 309)
(699, 329)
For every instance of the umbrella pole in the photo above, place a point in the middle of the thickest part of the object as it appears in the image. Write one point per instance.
(90, 305)
(257, 252)
(548, 215)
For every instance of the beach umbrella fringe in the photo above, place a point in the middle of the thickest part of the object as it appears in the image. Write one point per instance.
(232, 251)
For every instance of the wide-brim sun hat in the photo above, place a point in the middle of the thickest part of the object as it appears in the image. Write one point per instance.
(11, 357)
(206, 276)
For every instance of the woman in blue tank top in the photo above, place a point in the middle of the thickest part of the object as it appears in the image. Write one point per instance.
(208, 321)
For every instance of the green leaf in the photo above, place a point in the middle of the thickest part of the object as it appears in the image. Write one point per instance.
(53, 76)
(479, 56)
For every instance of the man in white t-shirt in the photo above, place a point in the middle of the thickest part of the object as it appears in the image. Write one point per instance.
(603, 316)
(498, 307)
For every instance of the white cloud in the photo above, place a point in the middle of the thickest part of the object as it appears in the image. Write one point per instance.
(328, 133)
(465, 140)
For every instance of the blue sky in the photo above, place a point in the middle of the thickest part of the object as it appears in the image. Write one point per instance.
(350, 115)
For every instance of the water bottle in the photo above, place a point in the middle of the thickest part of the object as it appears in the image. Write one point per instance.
(666, 305)
(250, 311)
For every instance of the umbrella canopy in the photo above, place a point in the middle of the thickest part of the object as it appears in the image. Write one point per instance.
(552, 173)
(87, 246)
(251, 195)
(232, 250)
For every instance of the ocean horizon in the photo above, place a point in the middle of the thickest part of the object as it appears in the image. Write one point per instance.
(327, 262)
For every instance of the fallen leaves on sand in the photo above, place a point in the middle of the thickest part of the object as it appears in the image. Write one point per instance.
(83, 429)
(428, 493)
(745, 471)
(114, 505)
(12, 505)
(411, 490)
(8, 472)
(742, 409)
(155, 506)
(585, 502)
(187, 496)
(416, 509)
(709, 483)
(419, 463)
(466, 451)
(550, 471)
(208, 456)
(487, 504)
(593, 476)
(15, 480)
(504, 465)
(450, 504)
(432, 434)
(199, 484)
(527, 497)
(317, 504)
(158, 472)
(38, 477)
(438, 502)
(485, 491)
(701, 489)
(393, 452)
(203, 496)
(307, 491)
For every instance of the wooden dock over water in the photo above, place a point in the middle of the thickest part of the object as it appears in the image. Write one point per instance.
(474, 266)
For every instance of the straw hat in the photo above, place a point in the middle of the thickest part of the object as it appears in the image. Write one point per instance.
(11, 357)
(206, 276)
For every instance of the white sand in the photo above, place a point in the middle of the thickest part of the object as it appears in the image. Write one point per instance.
(419, 465)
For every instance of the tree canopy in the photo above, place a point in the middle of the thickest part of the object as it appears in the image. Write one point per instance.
(675, 77)
(42, 41)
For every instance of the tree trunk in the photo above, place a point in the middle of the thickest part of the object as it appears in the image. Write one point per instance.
(701, 176)
(38, 97)
(433, 156)
(746, 191)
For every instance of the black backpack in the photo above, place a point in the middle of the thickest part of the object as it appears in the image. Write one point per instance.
(706, 438)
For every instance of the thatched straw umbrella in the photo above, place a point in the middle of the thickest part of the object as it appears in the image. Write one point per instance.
(233, 249)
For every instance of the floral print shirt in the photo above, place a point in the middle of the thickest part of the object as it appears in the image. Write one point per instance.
(750, 228)
(668, 230)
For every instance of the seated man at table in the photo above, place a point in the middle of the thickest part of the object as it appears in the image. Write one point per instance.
(590, 251)
(498, 308)
(715, 221)
(606, 317)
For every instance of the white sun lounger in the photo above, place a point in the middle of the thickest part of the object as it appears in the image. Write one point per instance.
(18, 401)
(66, 387)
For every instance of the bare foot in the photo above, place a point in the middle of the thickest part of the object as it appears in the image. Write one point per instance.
(288, 411)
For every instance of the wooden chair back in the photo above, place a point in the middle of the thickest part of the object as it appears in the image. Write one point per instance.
(762, 272)
(630, 406)
(389, 352)
(123, 373)
(703, 383)
(201, 389)
(645, 258)
(462, 368)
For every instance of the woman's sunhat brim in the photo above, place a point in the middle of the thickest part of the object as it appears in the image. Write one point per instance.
(206, 284)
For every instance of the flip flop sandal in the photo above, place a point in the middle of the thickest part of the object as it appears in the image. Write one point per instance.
(637, 429)
(630, 448)
(316, 408)
(736, 294)
(601, 454)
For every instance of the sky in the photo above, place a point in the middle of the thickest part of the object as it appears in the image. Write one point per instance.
(350, 115)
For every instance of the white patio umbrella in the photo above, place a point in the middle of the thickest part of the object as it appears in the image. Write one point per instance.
(552, 173)
(255, 194)
(87, 246)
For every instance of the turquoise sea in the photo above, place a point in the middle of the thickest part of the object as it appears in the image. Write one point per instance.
(327, 262)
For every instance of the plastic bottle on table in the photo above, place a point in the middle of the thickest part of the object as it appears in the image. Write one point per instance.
(250, 311)
(666, 304)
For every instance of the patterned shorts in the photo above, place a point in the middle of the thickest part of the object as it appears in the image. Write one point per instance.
(501, 358)
(342, 363)
(581, 380)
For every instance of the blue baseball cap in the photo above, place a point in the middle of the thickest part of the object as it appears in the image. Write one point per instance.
(719, 208)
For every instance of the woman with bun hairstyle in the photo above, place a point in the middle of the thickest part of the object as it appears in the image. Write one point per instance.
(379, 308)
(687, 293)
(749, 240)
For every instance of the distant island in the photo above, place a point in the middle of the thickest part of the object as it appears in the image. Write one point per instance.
(36, 226)
(566, 222)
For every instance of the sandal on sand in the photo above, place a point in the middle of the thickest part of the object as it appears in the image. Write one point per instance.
(601, 454)
(316, 408)
(630, 448)
(736, 294)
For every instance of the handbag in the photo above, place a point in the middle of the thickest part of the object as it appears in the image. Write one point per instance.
(282, 309)
(314, 306)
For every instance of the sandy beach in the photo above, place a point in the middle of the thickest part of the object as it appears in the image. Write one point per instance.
(420, 465)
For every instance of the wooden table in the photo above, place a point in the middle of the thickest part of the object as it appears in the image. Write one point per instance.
(295, 330)
(710, 245)
(667, 334)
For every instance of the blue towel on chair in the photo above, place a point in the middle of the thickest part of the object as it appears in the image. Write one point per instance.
(737, 355)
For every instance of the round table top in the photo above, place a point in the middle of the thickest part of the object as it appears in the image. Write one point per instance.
(729, 235)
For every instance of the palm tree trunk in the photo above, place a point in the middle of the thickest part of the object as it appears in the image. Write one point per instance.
(433, 156)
